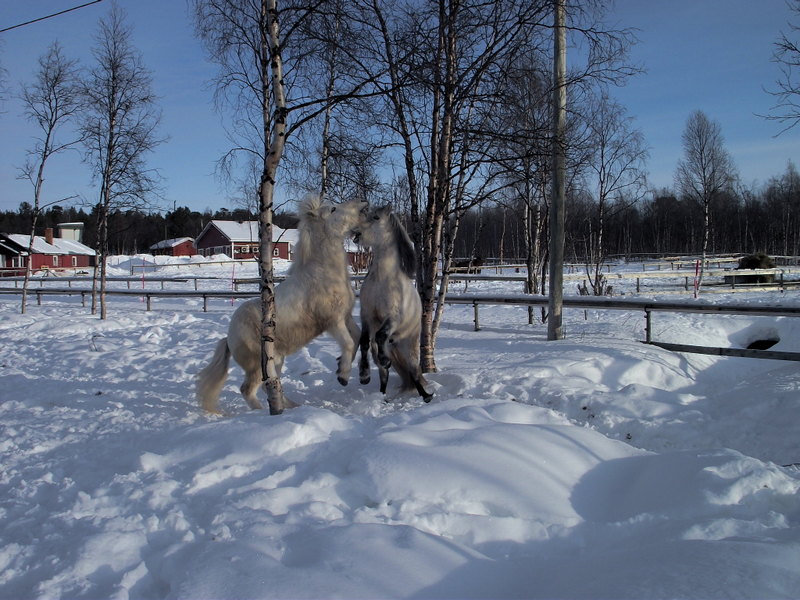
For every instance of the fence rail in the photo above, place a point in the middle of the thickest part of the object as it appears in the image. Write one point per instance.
(476, 300)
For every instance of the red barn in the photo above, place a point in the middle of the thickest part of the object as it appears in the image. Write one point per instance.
(239, 240)
(48, 253)
(175, 247)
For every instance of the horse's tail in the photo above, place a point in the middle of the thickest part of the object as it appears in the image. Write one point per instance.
(212, 377)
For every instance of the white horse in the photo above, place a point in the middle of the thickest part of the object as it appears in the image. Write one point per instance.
(315, 297)
(390, 306)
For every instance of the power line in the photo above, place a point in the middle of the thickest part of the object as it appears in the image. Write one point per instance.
(49, 16)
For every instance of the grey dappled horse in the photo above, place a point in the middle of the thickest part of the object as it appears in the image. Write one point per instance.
(315, 297)
(390, 306)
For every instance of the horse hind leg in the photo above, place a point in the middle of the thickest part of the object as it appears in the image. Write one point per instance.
(272, 386)
(363, 363)
(249, 389)
(343, 333)
(409, 371)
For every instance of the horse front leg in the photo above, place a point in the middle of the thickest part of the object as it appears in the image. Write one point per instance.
(363, 364)
(341, 332)
(355, 334)
(383, 372)
(382, 337)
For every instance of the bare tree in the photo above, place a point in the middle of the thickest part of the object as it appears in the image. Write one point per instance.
(559, 184)
(119, 129)
(787, 93)
(440, 59)
(521, 154)
(50, 102)
(3, 90)
(705, 170)
(243, 38)
(616, 170)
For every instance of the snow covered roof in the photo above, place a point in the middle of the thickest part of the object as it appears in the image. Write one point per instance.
(59, 245)
(352, 247)
(170, 243)
(247, 231)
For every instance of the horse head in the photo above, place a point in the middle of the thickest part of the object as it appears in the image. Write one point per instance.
(381, 229)
(325, 220)
(344, 219)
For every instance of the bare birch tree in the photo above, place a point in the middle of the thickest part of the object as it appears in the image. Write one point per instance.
(119, 129)
(51, 102)
(705, 171)
(249, 40)
(787, 91)
(3, 90)
(243, 38)
(616, 170)
(439, 59)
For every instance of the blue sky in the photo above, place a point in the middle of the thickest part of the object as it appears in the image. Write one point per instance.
(712, 55)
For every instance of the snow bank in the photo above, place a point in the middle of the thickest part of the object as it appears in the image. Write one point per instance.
(594, 467)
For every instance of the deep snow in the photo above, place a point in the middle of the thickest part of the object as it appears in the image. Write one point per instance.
(592, 467)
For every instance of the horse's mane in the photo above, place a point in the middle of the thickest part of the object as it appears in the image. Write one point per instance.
(308, 209)
(405, 247)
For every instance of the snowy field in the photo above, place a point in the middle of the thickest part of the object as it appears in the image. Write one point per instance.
(592, 467)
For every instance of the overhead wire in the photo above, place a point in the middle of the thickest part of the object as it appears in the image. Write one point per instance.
(49, 16)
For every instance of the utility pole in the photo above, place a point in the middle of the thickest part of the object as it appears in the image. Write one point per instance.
(556, 296)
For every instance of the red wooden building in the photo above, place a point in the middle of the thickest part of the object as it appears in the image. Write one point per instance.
(239, 240)
(175, 247)
(49, 252)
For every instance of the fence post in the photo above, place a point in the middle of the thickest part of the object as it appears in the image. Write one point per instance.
(477, 322)
(205, 302)
(648, 326)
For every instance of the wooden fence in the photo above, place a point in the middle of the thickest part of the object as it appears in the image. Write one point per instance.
(648, 307)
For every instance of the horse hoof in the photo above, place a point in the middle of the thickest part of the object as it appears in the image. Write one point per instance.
(275, 412)
(364, 379)
(342, 380)
(427, 398)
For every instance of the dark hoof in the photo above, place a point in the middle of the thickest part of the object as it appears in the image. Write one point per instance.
(275, 411)
(427, 398)
(364, 379)
(342, 380)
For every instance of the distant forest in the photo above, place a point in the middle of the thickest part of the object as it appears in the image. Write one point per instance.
(742, 221)
(130, 231)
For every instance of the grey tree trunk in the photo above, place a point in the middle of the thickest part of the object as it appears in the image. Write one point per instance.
(556, 296)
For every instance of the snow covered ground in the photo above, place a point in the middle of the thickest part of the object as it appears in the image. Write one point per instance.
(593, 467)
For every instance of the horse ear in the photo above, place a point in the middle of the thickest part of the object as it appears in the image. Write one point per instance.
(310, 205)
(385, 210)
